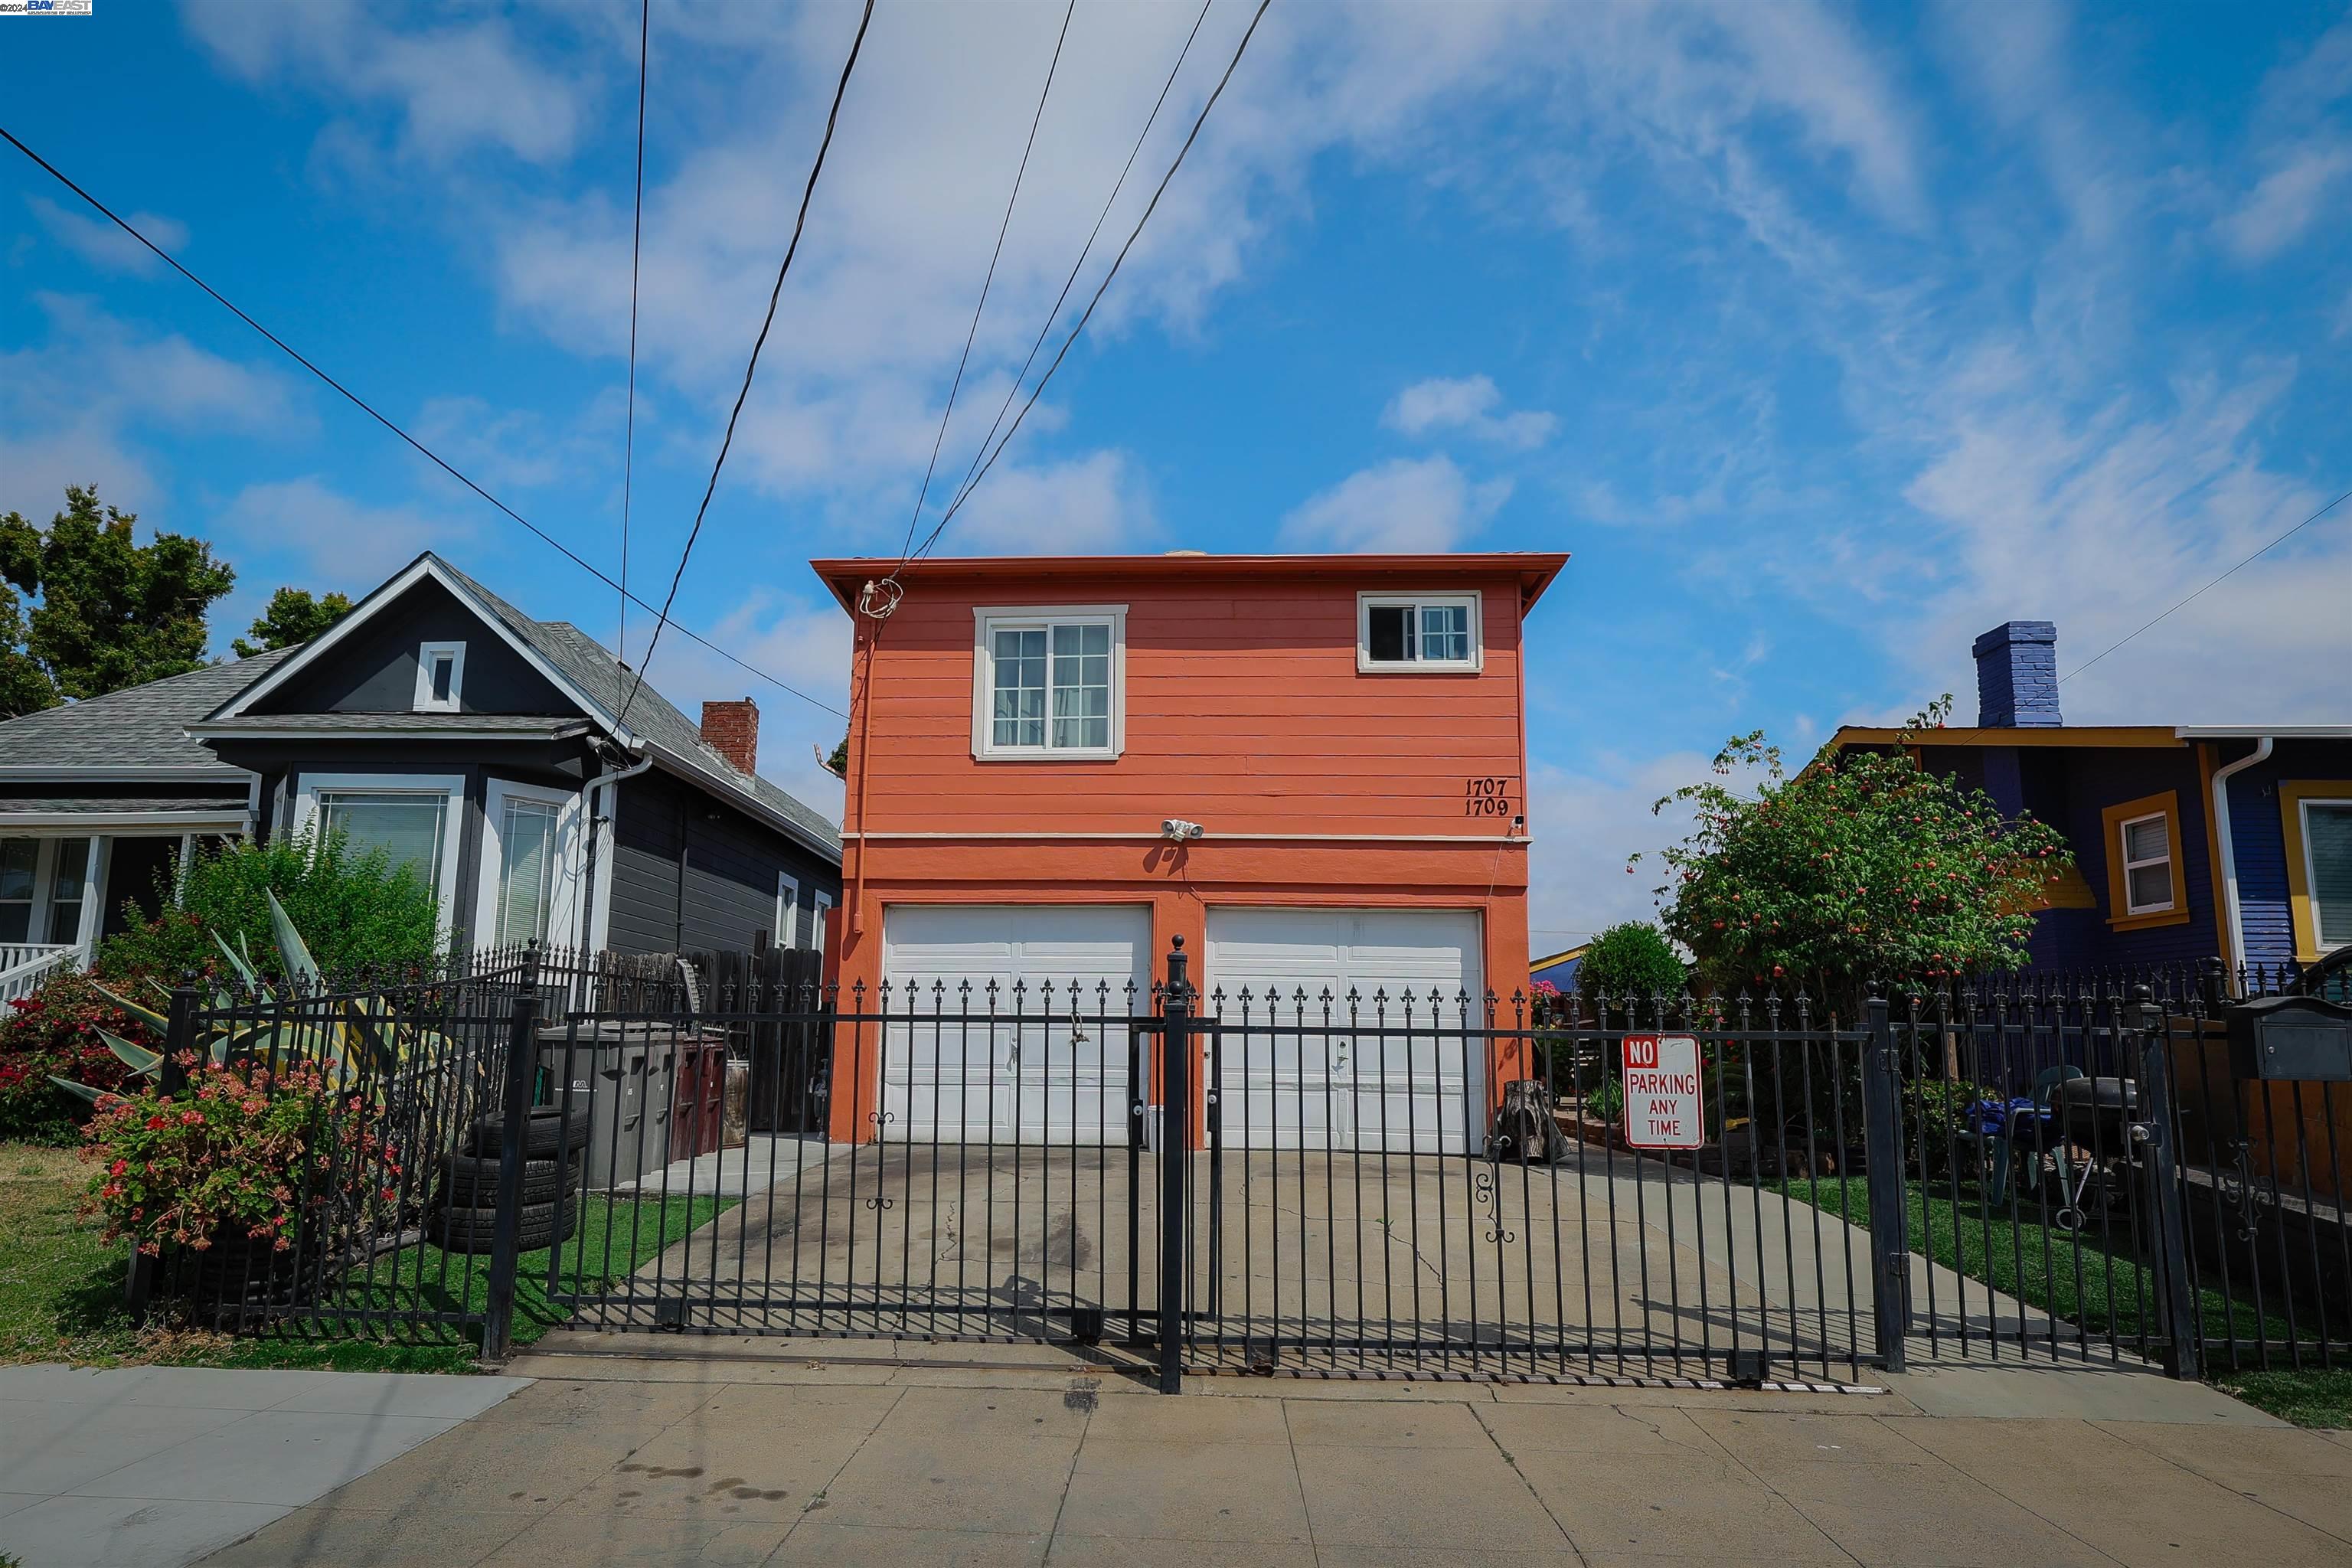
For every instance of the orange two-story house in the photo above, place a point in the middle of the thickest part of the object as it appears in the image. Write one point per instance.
(1033, 742)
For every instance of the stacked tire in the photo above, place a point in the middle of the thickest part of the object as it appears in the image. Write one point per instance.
(467, 1217)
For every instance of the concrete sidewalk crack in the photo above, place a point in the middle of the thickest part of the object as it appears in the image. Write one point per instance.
(818, 1496)
(1512, 1461)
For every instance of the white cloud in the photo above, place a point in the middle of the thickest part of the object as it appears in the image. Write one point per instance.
(1089, 506)
(97, 240)
(455, 86)
(345, 544)
(73, 406)
(1473, 405)
(2276, 211)
(1406, 504)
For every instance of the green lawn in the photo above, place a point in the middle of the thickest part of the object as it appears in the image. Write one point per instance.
(61, 1288)
(2088, 1284)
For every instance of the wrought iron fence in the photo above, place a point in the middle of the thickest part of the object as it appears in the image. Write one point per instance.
(1275, 1181)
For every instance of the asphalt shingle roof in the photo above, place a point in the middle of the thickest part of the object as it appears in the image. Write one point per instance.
(139, 727)
(593, 666)
(207, 806)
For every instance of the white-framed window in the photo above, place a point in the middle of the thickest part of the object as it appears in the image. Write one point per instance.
(1049, 681)
(417, 820)
(1417, 632)
(788, 911)
(47, 890)
(440, 677)
(2145, 844)
(2327, 869)
(531, 861)
(20, 867)
(818, 907)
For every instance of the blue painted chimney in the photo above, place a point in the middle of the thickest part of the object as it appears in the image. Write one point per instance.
(2017, 676)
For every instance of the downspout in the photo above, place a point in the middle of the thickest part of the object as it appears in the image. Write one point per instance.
(2229, 850)
(862, 704)
(609, 780)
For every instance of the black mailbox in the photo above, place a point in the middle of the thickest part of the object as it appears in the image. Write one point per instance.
(2299, 1037)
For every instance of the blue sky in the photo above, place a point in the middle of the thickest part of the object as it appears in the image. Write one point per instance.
(1823, 336)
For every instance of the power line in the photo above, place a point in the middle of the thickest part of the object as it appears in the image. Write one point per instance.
(356, 401)
(1054, 313)
(808, 192)
(2216, 582)
(987, 282)
(1116, 261)
(636, 248)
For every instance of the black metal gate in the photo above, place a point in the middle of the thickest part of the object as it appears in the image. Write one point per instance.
(1362, 1186)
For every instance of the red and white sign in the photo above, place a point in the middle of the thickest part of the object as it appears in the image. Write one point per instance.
(1662, 1099)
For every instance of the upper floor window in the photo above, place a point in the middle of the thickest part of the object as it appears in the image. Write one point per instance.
(2146, 850)
(1049, 682)
(1420, 632)
(440, 677)
(2145, 882)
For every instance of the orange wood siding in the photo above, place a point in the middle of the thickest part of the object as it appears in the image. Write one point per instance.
(1244, 711)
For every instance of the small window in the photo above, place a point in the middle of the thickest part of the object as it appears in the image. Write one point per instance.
(1048, 682)
(1417, 632)
(2146, 850)
(2327, 869)
(823, 902)
(526, 870)
(788, 911)
(440, 677)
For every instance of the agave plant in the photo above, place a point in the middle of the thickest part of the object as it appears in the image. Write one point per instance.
(354, 1043)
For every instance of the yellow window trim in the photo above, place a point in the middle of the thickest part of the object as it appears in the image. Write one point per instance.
(2111, 822)
(2292, 793)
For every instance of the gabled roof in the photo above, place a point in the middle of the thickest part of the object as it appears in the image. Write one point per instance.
(1534, 569)
(134, 731)
(578, 666)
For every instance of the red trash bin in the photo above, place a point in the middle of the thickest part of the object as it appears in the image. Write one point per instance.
(698, 1105)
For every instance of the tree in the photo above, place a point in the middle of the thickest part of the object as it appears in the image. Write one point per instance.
(292, 616)
(1863, 866)
(1631, 960)
(110, 612)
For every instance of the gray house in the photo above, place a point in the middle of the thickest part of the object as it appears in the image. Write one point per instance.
(513, 762)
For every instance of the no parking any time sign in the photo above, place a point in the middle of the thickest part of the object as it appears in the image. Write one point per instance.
(1662, 1103)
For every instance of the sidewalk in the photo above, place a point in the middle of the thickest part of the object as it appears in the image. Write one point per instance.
(668, 1450)
(158, 1465)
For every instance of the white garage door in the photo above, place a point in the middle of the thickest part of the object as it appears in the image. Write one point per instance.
(1054, 1079)
(1285, 1086)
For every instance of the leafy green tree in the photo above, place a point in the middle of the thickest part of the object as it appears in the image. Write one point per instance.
(292, 616)
(24, 686)
(112, 612)
(1632, 959)
(1863, 866)
(837, 764)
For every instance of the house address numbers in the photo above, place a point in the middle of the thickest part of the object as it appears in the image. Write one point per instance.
(1486, 797)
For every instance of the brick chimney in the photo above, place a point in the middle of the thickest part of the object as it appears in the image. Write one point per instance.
(2017, 677)
(732, 730)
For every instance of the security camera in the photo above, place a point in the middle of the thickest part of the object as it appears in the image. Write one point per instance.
(1176, 827)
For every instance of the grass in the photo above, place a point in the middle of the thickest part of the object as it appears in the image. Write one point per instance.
(61, 1288)
(2090, 1282)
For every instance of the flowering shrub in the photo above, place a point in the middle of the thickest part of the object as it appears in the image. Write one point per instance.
(240, 1152)
(56, 1030)
(1863, 866)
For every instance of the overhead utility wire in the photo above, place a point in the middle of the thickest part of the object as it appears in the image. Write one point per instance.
(1054, 312)
(636, 249)
(987, 282)
(1063, 352)
(368, 409)
(808, 191)
(2216, 582)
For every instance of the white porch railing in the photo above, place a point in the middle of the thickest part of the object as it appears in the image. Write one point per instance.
(25, 965)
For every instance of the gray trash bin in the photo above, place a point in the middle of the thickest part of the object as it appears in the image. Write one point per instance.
(623, 1082)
